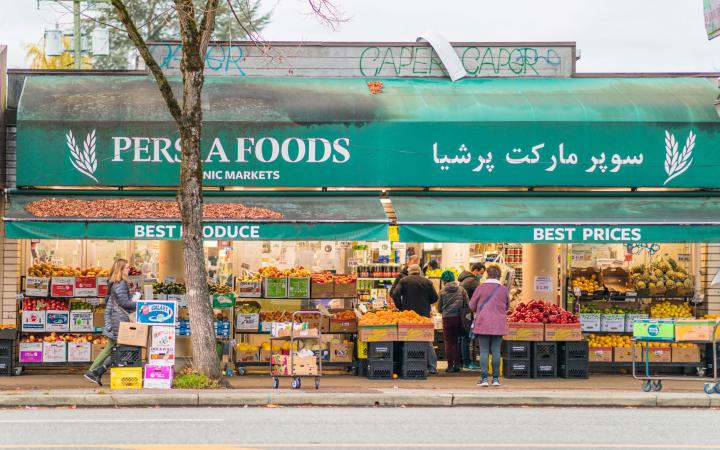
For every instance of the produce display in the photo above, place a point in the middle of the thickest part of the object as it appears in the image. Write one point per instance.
(45, 270)
(322, 278)
(44, 304)
(668, 310)
(345, 315)
(248, 308)
(81, 305)
(345, 279)
(590, 309)
(275, 316)
(7, 326)
(387, 317)
(274, 272)
(62, 337)
(596, 340)
(219, 288)
(620, 310)
(586, 284)
(437, 273)
(169, 288)
(538, 311)
(133, 271)
(249, 278)
(662, 274)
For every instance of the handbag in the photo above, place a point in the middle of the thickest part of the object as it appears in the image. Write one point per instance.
(485, 302)
(466, 318)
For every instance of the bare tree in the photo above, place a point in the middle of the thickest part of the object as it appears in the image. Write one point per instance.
(196, 29)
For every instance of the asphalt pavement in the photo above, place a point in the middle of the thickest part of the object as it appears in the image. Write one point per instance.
(361, 428)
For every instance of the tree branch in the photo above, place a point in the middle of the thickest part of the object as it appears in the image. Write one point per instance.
(207, 25)
(154, 67)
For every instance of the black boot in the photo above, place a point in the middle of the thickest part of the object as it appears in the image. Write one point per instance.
(93, 376)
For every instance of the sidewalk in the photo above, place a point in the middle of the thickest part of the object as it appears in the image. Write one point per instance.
(343, 390)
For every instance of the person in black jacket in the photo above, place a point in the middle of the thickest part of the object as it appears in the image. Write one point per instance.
(414, 259)
(469, 281)
(417, 293)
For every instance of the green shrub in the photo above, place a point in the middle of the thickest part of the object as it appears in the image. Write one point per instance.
(194, 380)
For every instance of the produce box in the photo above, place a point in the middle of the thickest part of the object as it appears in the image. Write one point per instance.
(416, 332)
(600, 354)
(102, 285)
(223, 300)
(654, 329)
(525, 332)
(341, 352)
(345, 323)
(250, 289)
(302, 365)
(660, 354)
(247, 322)
(655, 291)
(306, 333)
(563, 332)
(266, 327)
(686, 354)
(624, 354)
(265, 355)
(247, 356)
(86, 287)
(81, 352)
(317, 321)
(162, 356)
(162, 336)
(33, 320)
(95, 350)
(37, 286)
(612, 322)
(589, 321)
(694, 330)
(62, 287)
(157, 376)
(299, 287)
(54, 352)
(31, 352)
(81, 320)
(154, 312)
(133, 334)
(57, 321)
(180, 299)
(126, 378)
(615, 279)
(98, 320)
(631, 318)
(378, 333)
(345, 290)
(275, 287)
(322, 290)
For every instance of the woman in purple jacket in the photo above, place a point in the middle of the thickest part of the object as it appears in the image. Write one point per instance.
(490, 301)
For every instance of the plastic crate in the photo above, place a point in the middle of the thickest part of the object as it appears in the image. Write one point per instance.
(545, 351)
(6, 366)
(573, 351)
(380, 350)
(416, 369)
(7, 348)
(126, 356)
(516, 368)
(544, 369)
(575, 368)
(379, 368)
(126, 378)
(517, 350)
(414, 351)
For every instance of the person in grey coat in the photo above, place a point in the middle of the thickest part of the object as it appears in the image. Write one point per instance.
(118, 307)
(452, 299)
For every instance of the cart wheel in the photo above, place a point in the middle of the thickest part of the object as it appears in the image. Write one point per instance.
(276, 383)
(657, 386)
(717, 388)
(709, 388)
(317, 383)
(646, 386)
(296, 383)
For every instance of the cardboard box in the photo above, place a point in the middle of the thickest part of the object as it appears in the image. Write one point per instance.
(154, 312)
(654, 329)
(183, 346)
(247, 356)
(31, 352)
(299, 287)
(600, 354)
(157, 377)
(612, 322)
(162, 356)
(102, 285)
(525, 332)
(57, 321)
(265, 355)
(98, 320)
(250, 289)
(37, 286)
(33, 321)
(317, 321)
(378, 333)
(133, 334)
(694, 330)
(660, 354)
(346, 290)
(624, 354)
(341, 352)
(81, 321)
(589, 322)
(563, 332)
(302, 365)
(95, 350)
(162, 336)
(247, 322)
(416, 332)
(631, 318)
(126, 378)
(275, 287)
(54, 352)
(81, 352)
(86, 287)
(62, 287)
(322, 290)
(686, 354)
(343, 326)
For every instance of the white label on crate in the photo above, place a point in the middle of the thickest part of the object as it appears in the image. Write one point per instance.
(37, 287)
(81, 321)
(247, 322)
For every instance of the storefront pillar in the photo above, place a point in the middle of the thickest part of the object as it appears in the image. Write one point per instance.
(455, 255)
(171, 260)
(540, 272)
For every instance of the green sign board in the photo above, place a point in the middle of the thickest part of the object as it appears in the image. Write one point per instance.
(654, 330)
(299, 287)
(223, 300)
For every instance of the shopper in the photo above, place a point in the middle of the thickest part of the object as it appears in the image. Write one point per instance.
(469, 281)
(118, 307)
(452, 300)
(431, 265)
(414, 259)
(417, 293)
(490, 303)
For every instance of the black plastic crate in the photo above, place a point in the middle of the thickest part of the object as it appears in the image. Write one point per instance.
(7, 348)
(380, 350)
(126, 356)
(379, 368)
(8, 334)
(517, 350)
(573, 351)
(414, 369)
(516, 368)
(709, 361)
(575, 368)
(545, 351)
(544, 369)
(415, 351)
(6, 366)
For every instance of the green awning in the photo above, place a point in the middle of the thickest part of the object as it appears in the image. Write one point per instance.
(590, 218)
(295, 217)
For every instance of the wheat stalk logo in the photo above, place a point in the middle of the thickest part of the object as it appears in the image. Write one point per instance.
(84, 161)
(676, 163)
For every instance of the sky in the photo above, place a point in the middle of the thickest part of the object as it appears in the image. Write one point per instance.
(612, 35)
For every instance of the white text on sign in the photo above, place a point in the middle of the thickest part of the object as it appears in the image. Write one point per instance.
(209, 231)
(600, 234)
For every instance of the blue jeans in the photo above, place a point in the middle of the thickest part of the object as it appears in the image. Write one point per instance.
(488, 345)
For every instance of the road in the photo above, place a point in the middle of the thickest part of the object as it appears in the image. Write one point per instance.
(361, 428)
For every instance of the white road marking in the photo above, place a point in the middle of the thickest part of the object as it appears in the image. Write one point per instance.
(41, 421)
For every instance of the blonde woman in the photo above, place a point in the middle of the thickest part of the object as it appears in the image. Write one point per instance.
(118, 307)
